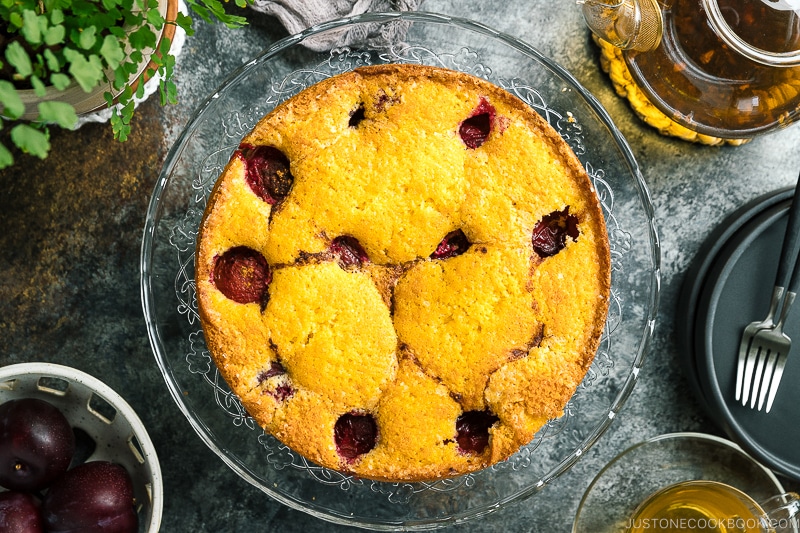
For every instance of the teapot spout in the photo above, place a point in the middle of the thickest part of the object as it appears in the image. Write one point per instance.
(627, 24)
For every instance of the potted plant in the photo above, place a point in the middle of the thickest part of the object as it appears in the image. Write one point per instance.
(63, 58)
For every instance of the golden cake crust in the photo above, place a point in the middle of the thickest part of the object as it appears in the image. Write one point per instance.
(447, 361)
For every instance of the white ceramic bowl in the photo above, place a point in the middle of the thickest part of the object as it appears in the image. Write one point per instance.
(104, 418)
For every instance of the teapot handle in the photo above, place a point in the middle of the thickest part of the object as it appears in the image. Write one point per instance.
(783, 513)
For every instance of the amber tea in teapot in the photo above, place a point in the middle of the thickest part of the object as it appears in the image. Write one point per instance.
(727, 68)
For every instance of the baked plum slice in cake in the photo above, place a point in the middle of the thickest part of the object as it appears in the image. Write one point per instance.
(454, 243)
(243, 275)
(355, 434)
(473, 431)
(348, 251)
(268, 172)
(475, 129)
(551, 232)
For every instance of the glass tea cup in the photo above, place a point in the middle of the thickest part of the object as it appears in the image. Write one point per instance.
(616, 497)
(714, 507)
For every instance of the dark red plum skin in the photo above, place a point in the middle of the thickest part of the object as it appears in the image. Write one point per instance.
(476, 129)
(94, 497)
(267, 172)
(355, 434)
(472, 430)
(242, 275)
(36, 444)
(349, 251)
(454, 243)
(551, 232)
(20, 512)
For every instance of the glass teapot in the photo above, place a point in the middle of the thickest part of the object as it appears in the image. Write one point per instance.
(725, 68)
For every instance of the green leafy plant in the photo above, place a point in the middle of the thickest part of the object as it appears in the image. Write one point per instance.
(60, 43)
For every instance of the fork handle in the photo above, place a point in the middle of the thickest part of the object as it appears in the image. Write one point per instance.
(791, 293)
(791, 248)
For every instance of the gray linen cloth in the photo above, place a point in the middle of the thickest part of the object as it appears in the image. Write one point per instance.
(298, 15)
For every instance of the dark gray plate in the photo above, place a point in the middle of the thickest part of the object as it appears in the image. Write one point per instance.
(734, 290)
(695, 282)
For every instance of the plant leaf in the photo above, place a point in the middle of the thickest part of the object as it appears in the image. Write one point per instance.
(39, 88)
(140, 90)
(60, 113)
(171, 93)
(136, 57)
(87, 72)
(126, 96)
(121, 121)
(56, 16)
(142, 38)
(30, 140)
(234, 21)
(201, 11)
(218, 10)
(117, 32)
(15, 20)
(18, 58)
(157, 60)
(30, 27)
(59, 80)
(12, 105)
(6, 159)
(88, 37)
(54, 35)
(163, 46)
(112, 51)
(185, 23)
(120, 77)
(155, 18)
(52, 62)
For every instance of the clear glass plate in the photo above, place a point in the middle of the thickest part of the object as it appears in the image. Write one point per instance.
(192, 166)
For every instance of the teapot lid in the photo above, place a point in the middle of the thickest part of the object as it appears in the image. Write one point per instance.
(765, 31)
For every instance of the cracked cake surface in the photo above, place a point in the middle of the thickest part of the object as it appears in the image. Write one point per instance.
(403, 273)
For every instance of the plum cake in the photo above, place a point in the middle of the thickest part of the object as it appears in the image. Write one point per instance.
(403, 273)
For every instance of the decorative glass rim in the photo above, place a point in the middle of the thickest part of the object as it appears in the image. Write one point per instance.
(596, 108)
(678, 436)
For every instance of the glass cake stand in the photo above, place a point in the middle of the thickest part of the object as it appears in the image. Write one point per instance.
(199, 155)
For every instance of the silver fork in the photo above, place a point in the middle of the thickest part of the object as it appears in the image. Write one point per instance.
(772, 347)
(744, 370)
(764, 346)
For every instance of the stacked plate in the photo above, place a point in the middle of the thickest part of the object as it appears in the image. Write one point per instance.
(728, 286)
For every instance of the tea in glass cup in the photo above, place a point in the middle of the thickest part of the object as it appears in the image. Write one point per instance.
(712, 507)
